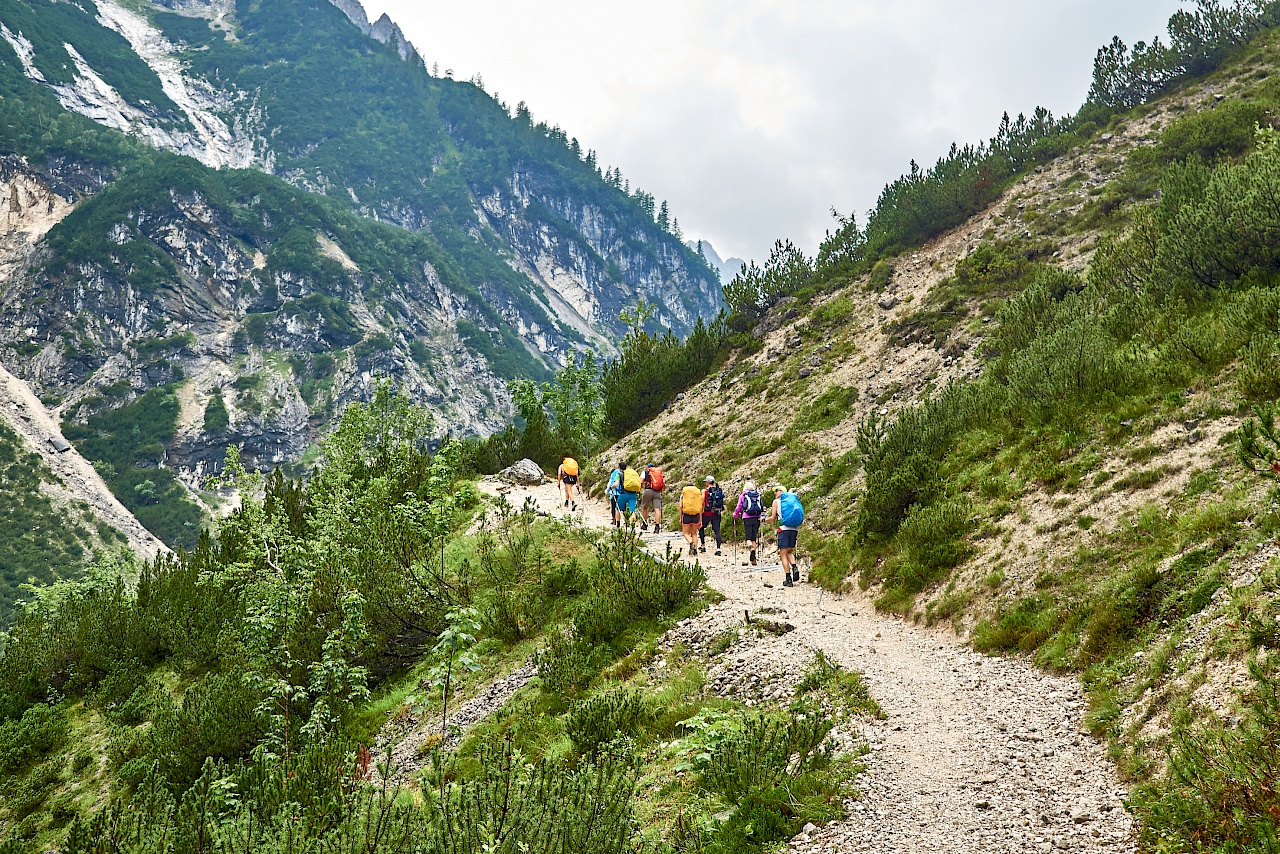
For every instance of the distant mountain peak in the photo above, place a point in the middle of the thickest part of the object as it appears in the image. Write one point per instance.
(727, 268)
(384, 29)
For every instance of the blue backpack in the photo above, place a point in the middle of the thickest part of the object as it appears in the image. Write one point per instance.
(792, 511)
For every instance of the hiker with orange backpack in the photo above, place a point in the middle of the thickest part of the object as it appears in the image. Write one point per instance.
(691, 516)
(788, 512)
(712, 511)
(567, 477)
(655, 483)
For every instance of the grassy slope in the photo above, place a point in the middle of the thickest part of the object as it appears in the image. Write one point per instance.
(1067, 527)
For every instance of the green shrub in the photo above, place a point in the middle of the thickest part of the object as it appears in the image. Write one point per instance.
(1259, 376)
(567, 663)
(825, 411)
(1219, 792)
(596, 722)
(933, 537)
(216, 417)
(1227, 130)
(881, 275)
(41, 730)
(642, 585)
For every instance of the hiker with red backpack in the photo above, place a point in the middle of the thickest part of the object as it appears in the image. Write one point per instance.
(567, 477)
(655, 483)
(788, 512)
(750, 510)
(712, 511)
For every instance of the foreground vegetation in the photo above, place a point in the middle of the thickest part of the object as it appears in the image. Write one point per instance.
(228, 701)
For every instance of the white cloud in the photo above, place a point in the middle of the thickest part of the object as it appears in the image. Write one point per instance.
(755, 117)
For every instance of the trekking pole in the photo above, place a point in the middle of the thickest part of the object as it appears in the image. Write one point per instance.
(735, 540)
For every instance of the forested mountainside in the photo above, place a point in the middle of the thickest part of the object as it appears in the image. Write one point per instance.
(225, 219)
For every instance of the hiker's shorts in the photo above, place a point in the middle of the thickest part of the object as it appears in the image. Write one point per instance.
(787, 539)
(627, 502)
(570, 479)
(691, 518)
(651, 498)
(752, 529)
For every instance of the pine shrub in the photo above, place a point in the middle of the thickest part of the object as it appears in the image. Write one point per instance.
(596, 722)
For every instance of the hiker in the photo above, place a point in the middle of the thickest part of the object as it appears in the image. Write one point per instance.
(655, 483)
(691, 516)
(750, 509)
(712, 511)
(788, 512)
(567, 477)
(613, 490)
(631, 486)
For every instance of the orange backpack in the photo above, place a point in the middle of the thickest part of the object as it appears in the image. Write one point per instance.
(570, 466)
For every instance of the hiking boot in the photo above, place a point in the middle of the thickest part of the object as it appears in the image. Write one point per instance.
(717, 553)
(693, 550)
(788, 582)
(703, 549)
(753, 557)
(566, 502)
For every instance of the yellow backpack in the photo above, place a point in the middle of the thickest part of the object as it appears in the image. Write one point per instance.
(631, 481)
(691, 501)
(570, 466)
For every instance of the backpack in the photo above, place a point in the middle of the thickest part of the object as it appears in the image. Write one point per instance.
(657, 482)
(615, 482)
(752, 505)
(570, 466)
(715, 499)
(792, 511)
(631, 481)
(691, 501)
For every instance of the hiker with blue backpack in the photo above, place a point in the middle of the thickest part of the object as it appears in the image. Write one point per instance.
(750, 511)
(788, 512)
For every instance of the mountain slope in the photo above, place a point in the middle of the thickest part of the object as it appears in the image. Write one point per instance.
(1028, 428)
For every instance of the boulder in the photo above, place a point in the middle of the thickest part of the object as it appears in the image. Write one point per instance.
(523, 473)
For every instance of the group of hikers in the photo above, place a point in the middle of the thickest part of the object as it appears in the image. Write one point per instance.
(702, 508)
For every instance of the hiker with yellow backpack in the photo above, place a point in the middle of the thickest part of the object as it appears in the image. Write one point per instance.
(631, 486)
(691, 516)
(567, 477)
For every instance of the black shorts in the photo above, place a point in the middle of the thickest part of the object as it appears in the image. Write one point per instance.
(691, 518)
(787, 539)
(571, 479)
(752, 529)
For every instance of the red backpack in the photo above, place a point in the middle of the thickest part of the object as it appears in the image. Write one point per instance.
(656, 480)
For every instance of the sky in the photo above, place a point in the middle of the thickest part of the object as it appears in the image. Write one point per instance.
(755, 118)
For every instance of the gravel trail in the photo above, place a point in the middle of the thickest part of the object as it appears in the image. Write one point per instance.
(977, 754)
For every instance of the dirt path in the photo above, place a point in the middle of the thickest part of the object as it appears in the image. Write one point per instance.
(977, 754)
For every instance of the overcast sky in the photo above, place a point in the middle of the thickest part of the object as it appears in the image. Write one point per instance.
(756, 117)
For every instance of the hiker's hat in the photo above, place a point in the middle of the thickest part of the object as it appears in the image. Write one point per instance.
(710, 479)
